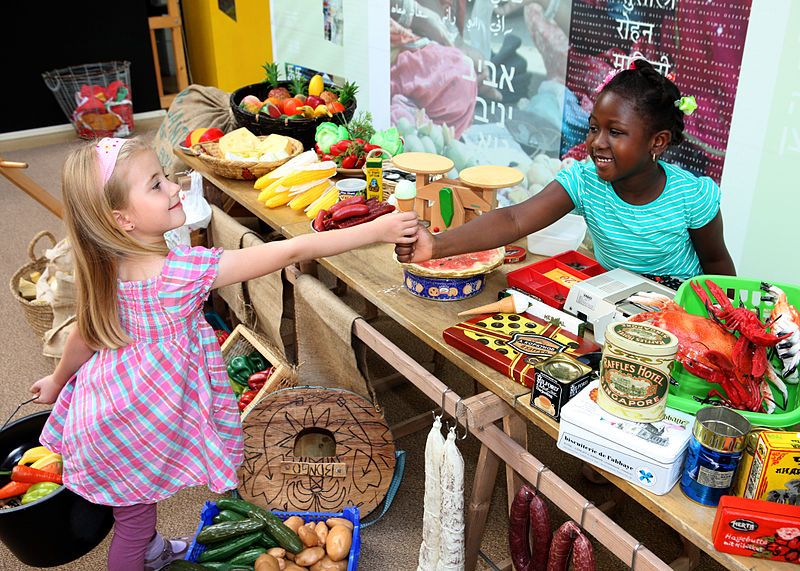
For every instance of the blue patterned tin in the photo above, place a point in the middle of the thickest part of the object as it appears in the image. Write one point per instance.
(444, 289)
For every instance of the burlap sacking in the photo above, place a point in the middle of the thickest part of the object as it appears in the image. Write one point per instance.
(265, 295)
(324, 324)
(195, 107)
(227, 233)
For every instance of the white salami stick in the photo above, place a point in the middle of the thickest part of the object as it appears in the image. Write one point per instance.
(429, 549)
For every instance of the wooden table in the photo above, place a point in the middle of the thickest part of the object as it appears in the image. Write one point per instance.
(372, 273)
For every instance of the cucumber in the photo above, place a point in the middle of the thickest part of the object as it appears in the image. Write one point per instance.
(228, 515)
(225, 566)
(285, 537)
(225, 550)
(248, 557)
(228, 529)
(267, 541)
(182, 565)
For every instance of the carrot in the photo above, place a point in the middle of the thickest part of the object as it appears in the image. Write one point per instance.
(28, 475)
(13, 489)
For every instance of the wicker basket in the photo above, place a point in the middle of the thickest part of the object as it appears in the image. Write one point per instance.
(38, 314)
(300, 128)
(212, 158)
(244, 341)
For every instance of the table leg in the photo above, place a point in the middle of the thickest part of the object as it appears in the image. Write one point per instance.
(309, 267)
(515, 427)
(479, 503)
(689, 559)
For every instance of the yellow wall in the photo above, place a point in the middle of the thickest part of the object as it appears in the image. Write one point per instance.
(224, 53)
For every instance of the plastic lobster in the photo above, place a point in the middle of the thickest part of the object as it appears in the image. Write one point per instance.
(709, 350)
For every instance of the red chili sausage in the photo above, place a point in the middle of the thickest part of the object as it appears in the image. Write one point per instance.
(518, 529)
(319, 225)
(385, 209)
(541, 533)
(582, 553)
(346, 202)
(350, 211)
(559, 548)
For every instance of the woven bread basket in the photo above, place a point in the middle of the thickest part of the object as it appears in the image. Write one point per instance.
(38, 314)
(212, 158)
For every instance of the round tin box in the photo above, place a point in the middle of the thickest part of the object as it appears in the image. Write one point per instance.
(635, 371)
(444, 289)
(348, 187)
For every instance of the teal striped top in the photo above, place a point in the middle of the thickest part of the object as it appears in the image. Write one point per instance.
(648, 239)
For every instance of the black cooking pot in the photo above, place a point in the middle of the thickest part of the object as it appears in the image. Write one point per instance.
(56, 529)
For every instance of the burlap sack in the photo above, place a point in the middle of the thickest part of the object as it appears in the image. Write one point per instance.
(265, 295)
(227, 233)
(195, 107)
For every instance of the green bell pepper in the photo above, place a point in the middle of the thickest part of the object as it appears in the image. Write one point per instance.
(240, 368)
(258, 361)
(38, 491)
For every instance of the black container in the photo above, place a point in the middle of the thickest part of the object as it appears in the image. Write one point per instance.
(57, 529)
(301, 128)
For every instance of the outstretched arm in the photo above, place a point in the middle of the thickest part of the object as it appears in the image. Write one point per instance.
(241, 265)
(710, 246)
(492, 229)
(76, 353)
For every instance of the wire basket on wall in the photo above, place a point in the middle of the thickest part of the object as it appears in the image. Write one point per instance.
(96, 97)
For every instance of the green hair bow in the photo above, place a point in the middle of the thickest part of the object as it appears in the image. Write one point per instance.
(686, 104)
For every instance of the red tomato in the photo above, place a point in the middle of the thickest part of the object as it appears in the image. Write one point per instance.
(290, 106)
(360, 162)
(359, 141)
(327, 157)
(370, 147)
(349, 162)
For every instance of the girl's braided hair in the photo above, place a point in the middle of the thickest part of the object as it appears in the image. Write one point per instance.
(653, 97)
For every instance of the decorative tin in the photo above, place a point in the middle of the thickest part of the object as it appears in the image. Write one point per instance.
(648, 455)
(348, 187)
(746, 461)
(444, 289)
(556, 381)
(774, 474)
(719, 436)
(635, 370)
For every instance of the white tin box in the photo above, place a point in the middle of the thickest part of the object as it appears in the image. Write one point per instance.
(649, 455)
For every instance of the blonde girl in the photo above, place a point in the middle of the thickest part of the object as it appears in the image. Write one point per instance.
(143, 407)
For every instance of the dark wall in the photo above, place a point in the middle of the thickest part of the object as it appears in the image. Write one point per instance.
(44, 36)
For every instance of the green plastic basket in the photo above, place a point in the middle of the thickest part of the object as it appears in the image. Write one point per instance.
(691, 390)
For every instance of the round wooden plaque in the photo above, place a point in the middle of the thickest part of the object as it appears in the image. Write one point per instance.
(488, 176)
(424, 163)
(316, 449)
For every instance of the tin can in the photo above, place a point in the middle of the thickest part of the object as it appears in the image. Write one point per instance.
(746, 461)
(556, 380)
(635, 370)
(348, 187)
(719, 436)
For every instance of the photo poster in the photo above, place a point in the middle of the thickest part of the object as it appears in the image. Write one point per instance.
(697, 43)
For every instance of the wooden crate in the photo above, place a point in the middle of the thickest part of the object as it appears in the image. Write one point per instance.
(243, 341)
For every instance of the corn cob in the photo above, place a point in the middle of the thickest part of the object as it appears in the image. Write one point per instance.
(300, 201)
(301, 188)
(309, 173)
(301, 160)
(271, 191)
(324, 202)
(280, 199)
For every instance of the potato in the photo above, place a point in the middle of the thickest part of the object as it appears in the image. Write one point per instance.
(308, 536)
(325, 564)
(282, 564)
(266, 562)
(322, 532)
(277, 552)
(290, 556)
(334, 521)
(294, 522)
(338, 543)
(292, 567)
(309, 556)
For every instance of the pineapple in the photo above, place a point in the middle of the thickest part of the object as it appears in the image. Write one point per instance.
(298, 85)
(271, 79)
(347, 93)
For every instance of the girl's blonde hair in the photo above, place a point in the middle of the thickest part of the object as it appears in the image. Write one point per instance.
(98, 242)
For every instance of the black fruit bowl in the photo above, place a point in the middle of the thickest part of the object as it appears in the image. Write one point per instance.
(301, 128)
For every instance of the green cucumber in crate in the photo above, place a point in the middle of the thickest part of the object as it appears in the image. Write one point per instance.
(225, 550)
(228, 515)
(228, 529)
(248, 557)
(285, 537)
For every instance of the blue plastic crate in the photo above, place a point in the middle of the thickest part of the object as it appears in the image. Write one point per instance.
(210, 510)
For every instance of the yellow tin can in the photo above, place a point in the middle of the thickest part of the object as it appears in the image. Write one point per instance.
(635, 370)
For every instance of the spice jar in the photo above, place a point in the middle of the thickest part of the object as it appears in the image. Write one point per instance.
(635, 370)
(719, 435)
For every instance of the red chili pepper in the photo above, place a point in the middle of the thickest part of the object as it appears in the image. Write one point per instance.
(28, 475)
(350, 211)
(13, 489)
(246, 398)
(347, 201)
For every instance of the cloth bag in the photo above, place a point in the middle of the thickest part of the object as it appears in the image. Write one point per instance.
(56, 286)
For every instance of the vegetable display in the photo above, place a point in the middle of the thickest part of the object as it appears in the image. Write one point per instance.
(348, 145)
(29, 483)
(248, 536)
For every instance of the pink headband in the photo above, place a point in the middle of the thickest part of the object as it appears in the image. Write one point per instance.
(107, 151)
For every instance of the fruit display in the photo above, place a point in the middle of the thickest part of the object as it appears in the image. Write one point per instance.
(347, 145)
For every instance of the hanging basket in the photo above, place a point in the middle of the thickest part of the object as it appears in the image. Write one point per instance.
(38, 314)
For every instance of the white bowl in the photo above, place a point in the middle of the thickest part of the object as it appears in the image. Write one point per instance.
(565, 234)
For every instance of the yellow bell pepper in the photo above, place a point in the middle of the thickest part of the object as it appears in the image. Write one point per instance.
(51, 458)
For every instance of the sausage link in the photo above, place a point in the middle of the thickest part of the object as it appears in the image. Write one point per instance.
(559, 548)
(541, 533)
(346, 202)
(582, 553)
(350, 211)
(519, 529)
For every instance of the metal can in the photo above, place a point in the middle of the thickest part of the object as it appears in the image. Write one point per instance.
(719, 435)
(635, 370)
(746, 461)
(348, 187)
(556, 380)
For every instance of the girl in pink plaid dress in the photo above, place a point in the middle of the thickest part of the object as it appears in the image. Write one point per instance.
(143, 407)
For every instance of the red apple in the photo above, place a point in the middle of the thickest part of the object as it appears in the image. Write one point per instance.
(202, 135)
